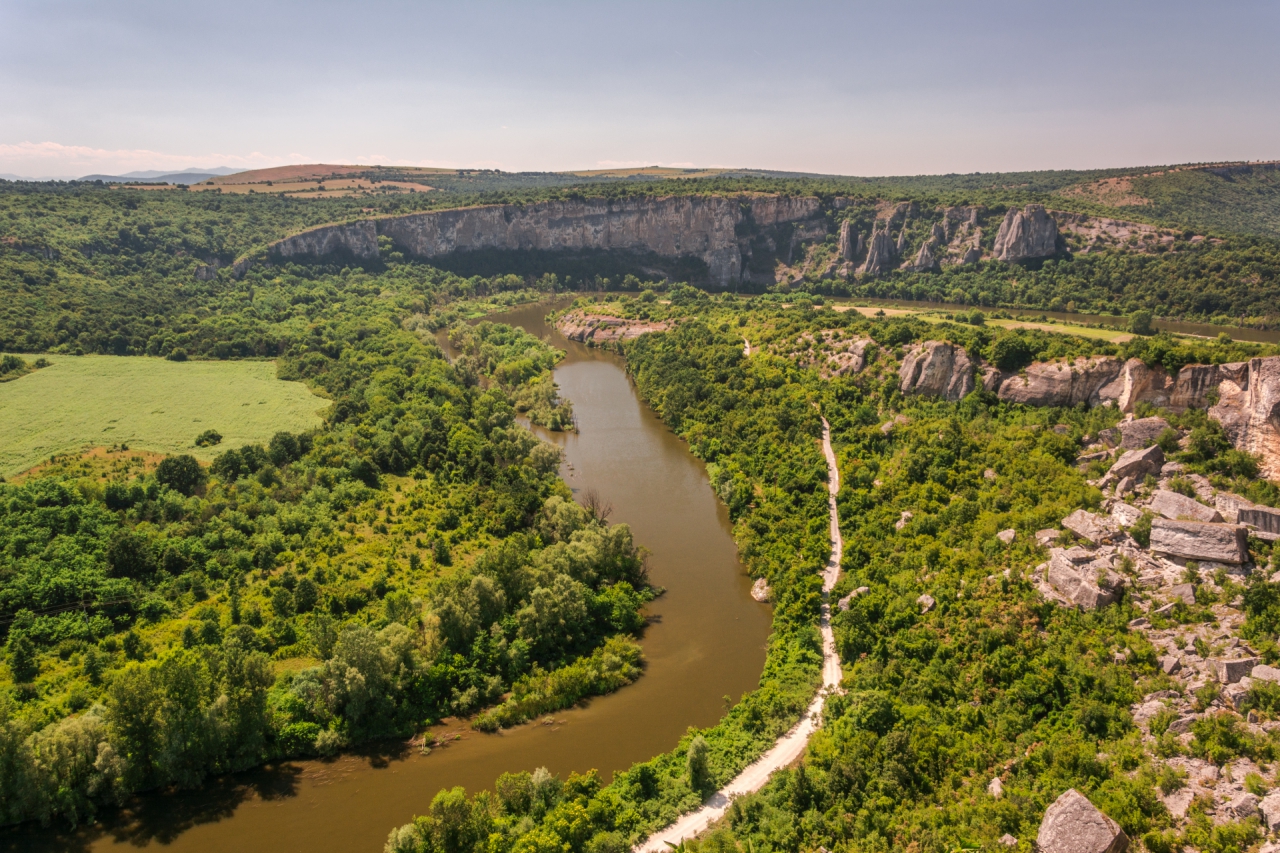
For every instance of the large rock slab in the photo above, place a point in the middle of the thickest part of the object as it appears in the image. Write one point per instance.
(1195, 540)
(1250, 412)
(1175, 506)
(1026, 234)
(1061, 383)
(1093, 528)
(1141, 433)
(1137, 463)
(1074, 825)
(937, 369)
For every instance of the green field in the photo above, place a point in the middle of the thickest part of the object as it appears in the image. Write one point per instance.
(147, 403)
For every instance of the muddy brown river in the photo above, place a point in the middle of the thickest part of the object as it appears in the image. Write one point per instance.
(706, 642)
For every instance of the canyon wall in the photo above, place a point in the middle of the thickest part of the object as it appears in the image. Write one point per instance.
(704, 227)
(1244, 397)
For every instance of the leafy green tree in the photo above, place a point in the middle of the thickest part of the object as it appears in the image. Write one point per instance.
(181, 473)
(22, 657)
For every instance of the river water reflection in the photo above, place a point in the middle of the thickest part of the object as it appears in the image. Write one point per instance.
(706, 641)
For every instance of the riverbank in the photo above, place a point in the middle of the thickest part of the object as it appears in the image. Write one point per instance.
(790, 746)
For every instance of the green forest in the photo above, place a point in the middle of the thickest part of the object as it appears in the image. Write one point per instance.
(416, 557)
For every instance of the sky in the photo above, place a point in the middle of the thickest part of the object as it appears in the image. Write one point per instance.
(891, 87)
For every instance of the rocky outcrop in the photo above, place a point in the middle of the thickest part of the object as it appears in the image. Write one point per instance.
(925, 261)
(704, 227)
(1026, 234)
(848, 241)
(1194, 540)
(937, 369)
(1061, 383)
(602, 328)
(881, 253)
(353, 239)
(1249, 410)
(1089, 584)
(1260, 518)
(1074, 825)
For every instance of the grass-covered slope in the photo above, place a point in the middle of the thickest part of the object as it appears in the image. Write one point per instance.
(148, 404)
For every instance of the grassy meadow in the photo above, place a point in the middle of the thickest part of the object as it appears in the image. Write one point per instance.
(147, 403)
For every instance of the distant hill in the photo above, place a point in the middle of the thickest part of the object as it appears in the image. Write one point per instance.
(155, 176)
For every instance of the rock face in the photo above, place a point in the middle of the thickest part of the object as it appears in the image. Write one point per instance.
(1250, 412)
(881, 253)
(1026, 234)
(937, 369)
(1174, 506)
(354, 239)
(1074, 825)
(1195, 540)
(1260, 517)
(848, 241)
(1061, 383)
(704, 227)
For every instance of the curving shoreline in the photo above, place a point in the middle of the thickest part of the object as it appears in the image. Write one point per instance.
(791, 745)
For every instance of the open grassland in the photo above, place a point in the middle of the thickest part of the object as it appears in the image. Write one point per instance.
(147, 403)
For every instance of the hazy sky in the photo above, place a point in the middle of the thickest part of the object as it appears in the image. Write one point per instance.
(889, 87)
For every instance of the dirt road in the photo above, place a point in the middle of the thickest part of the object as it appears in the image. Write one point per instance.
(791, 745)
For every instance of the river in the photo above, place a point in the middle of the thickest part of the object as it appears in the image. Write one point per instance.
(706, 641)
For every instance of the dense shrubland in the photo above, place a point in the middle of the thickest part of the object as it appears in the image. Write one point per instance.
(416, 557)
(993, 681)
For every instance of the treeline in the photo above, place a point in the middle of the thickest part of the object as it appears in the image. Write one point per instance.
(1234, 283)
(416, 557)
(991, 681)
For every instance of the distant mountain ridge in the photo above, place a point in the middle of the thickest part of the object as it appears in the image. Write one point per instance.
(158, 176)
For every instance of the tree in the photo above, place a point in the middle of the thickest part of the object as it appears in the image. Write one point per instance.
(697, 764)
(22, 657)
(1140, 322)
(129, 555)
(181, 473)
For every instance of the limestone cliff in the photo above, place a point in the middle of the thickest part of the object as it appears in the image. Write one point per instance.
(1026, 234)
(1250, 413)
(357, 239)
(704, 227)
(848, 241)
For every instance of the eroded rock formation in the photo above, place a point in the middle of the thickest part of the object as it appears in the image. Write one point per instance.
(848, 241)
(925, 261)
(881, 253)
(1026, 234)
(1074, 825)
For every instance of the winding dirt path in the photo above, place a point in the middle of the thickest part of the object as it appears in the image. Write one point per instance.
(790, 746)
